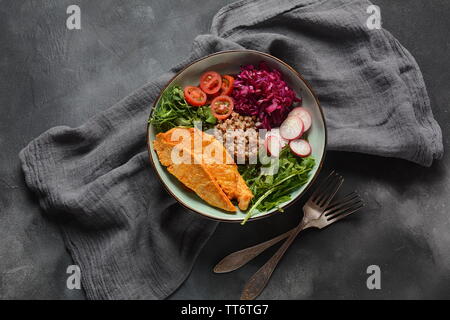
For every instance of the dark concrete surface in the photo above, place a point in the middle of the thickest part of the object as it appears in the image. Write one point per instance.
(52, 76)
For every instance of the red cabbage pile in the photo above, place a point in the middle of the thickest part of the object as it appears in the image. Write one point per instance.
(262, 92)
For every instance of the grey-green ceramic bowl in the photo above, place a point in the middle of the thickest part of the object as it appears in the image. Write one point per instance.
(229, 62)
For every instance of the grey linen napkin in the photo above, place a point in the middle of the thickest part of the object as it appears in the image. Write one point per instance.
(129, 237)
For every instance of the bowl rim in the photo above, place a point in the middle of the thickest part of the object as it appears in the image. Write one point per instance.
(297, 74)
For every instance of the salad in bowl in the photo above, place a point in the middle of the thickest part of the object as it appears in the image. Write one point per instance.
(237, 135)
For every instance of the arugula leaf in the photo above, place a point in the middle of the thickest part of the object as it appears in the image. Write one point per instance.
(173, 111)
(272, 190)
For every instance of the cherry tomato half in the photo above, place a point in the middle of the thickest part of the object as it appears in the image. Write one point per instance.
(222, 107)
(227, 85)
(194, 96)
(210, 82)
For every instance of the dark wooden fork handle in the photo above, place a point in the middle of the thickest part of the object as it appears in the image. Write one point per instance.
(239, 258)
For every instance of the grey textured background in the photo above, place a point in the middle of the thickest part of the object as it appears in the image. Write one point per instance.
(52, 76)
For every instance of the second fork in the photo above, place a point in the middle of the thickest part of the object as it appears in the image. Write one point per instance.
(341, 208)
(313, 209)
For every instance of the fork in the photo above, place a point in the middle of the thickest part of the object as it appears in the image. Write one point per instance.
(340, 209)
(313, 209)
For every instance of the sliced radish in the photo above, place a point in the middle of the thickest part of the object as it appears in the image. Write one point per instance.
(304, 115)
(291, 128)
(296, 111)
(301, 148)
(273, 145)
(276, 132)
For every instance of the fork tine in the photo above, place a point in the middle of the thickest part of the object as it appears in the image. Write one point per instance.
(346, 213)
(344, 209)
(330, 191)
(322, 185)
(325, 186)
(345, 201)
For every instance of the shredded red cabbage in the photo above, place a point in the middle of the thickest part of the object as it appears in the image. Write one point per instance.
(262, 92)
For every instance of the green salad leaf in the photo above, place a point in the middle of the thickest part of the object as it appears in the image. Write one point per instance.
(272, 190)
(173, 111)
